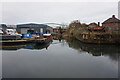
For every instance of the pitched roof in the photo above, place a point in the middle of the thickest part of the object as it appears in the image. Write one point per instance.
(97, 28)
(110, 20)
(93, 24)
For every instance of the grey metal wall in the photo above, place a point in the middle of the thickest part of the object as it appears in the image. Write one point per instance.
(36, 27)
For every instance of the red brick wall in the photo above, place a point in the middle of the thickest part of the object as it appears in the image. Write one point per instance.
(112, 26)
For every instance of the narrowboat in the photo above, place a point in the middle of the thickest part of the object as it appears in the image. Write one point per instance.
(48, 37)
(45, 38)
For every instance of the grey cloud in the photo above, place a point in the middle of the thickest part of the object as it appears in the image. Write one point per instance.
(44, 12)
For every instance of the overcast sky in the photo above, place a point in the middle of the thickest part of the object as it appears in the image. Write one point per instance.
(57, 12)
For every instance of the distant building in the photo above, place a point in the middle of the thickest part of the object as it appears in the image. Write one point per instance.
(58, 30)
(113, 24)
(33, 28)
(93, 25)
(13, 26)
(3, 28)
(56, 25)
(97, 29)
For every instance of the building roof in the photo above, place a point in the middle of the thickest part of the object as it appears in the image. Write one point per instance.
(32, 25)
(111, 20)
(97, 28)
(93, 24)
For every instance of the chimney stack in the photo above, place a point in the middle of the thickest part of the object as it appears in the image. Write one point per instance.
(98, 23)
(113, 16)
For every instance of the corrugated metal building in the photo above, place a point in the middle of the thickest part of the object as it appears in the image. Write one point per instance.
(33, 28)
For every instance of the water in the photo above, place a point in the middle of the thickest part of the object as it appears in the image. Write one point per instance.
(60, 59)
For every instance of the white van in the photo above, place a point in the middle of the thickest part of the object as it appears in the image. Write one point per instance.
(12, 32)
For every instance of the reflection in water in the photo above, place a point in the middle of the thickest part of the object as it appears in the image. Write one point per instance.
(113, 51)
(96, 50)
(25, 46)
(63, 59)
(37, 46)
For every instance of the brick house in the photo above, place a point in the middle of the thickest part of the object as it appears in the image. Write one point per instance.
(112, 24)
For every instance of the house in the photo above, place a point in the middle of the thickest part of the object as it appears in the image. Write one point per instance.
(56, 30)
(112, 24)
(96, 29)
(59, 30)
(33, 28)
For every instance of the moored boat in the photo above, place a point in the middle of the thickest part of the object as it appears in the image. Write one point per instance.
(45, 38)
(48, 37)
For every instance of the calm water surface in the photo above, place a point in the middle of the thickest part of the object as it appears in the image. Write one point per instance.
(60, 59)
